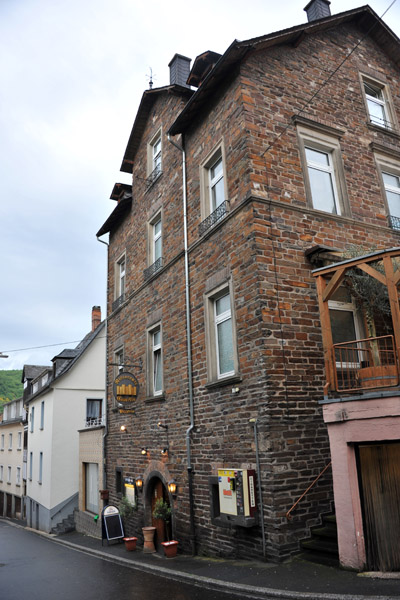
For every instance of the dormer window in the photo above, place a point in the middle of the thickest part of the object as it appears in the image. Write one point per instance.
(378, 103)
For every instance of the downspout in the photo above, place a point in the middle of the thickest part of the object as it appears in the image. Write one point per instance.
(260, 500)
(189, 348)
(106, 386)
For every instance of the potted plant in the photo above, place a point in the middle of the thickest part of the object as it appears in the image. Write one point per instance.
(162, 510)
(126, 510)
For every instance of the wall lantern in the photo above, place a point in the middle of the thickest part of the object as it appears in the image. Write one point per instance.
(164, 451)
(123, 429)
(144, 451)
(139, 483)
(172, 486)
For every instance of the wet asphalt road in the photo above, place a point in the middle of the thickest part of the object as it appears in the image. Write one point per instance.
(35, 568)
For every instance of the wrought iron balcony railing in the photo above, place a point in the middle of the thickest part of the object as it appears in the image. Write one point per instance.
(154, 175)
(156, 266)
(215, 216)
(95, 422)
(118, 302)
(394, 222)
(369, 363)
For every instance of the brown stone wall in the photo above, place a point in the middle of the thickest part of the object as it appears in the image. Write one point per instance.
(261, 246)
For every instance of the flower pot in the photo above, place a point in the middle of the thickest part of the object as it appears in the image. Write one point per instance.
(170, 548)
(104, 494)
(130, 543)
(148, 535)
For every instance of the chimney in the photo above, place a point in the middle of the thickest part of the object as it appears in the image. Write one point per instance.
(96, 317)
(179, 69)
(317, 9)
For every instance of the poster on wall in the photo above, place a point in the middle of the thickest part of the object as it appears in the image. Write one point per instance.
(130, 490)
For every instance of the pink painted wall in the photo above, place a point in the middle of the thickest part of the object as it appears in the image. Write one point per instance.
(349, 423)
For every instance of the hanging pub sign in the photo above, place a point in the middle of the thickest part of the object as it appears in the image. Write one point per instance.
(126, 389)
(112, 528)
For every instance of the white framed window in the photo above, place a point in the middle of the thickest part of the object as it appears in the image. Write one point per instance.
(323, 170)
(389, 170)
(391, 182)
(94, 409)
(213, 186)
(45, 379)
(42, 415)
(19, 443)
(1, 472)
(9, 474)
(155, 361)
(35, 387)
(30, 465)
(154, 158)
(10, 441)
(222, 360)
(378, 102)
(40, 467)
(18, 476)
(120, 274)
(92, 487)
(118, 360)
(32, 419)
(346, 325)
(157, 239)
(2, 442)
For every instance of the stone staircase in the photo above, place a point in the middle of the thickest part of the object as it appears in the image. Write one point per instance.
(322, 546)
(66, 525)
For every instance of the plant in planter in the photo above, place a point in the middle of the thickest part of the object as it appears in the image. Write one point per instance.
(126, 510)
(162, 510)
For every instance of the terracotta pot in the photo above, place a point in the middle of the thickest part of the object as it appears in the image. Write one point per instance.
(381, 376)
(148, 535)
(170, 548)
(130, 543)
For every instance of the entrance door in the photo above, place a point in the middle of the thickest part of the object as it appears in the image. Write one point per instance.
(380, 491)
(158, 492)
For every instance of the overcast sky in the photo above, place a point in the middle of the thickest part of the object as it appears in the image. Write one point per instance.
(72, 73)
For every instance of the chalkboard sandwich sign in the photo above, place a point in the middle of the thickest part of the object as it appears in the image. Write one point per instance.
(112, 528)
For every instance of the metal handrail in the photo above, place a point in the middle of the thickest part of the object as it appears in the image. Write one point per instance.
(288, 516)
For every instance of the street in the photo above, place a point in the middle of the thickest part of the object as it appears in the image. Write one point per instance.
(34, 567)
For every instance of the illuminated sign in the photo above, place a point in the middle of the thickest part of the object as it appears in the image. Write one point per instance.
(126, 390)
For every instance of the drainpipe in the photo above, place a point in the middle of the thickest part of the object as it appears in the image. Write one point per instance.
(260, 500)
(189, 348)
(106, 387)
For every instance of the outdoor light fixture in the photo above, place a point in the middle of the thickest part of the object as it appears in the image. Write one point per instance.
(172, 486)
(123, 428)
(164, 451)
(161, 425)
(144, 451)
(139, 483)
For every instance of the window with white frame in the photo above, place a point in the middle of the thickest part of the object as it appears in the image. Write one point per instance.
(18, 476)
(156, 241)
(32, 419)
(40, 480)
(154, 158)
(93, 411)
(2, 442)
(377, 100)
(92, 487)
(35, 387)
(213, 190)
(19, 442)
(323, 171)
(221, 344)
(9, 474)
(345, 324)
(154, 245)
(42, 415)
(391, 182)
(155, 361)
(118, 361)
(10, 441)
(120, 272)
(30, 465)
(389, 169)
(1, 472)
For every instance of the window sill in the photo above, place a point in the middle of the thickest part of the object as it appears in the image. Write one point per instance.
(382, 129)
(152, 399)
(223, 382)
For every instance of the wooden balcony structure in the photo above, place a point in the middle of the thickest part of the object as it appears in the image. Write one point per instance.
(372, 362)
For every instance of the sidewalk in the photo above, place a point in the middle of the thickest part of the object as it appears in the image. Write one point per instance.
(296, 579)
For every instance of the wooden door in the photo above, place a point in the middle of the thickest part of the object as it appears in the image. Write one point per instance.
(158, 492)
(379, 470)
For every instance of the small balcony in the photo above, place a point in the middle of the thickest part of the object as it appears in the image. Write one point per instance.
(394, 222)
(371, 361)
(154, 175)
(95, 422)
(117, 302)
(214, 218)
(150, 271)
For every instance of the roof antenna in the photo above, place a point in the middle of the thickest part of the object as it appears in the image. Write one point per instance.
(150, 78)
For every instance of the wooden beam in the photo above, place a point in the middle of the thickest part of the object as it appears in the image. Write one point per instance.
(393, 298)
(327, 340)
(373, 272)
(333, 284)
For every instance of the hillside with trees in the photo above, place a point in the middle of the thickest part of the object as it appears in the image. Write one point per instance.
(10, 386)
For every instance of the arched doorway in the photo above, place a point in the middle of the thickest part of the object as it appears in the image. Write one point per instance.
(158, 490)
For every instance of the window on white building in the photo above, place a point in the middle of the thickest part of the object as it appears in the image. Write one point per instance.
(92, 487)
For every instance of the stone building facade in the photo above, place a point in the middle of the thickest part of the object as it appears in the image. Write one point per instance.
(239, 187)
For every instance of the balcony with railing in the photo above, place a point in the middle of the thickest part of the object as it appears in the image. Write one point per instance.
(371, 362)
(214, 218)
(95, 422)
(154, 175)
(117, 302)
(394, 222)
(152, 269)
